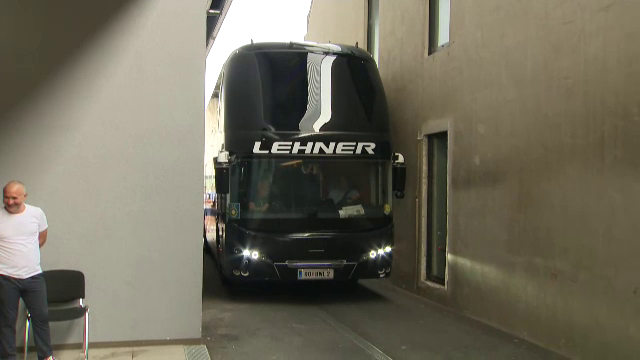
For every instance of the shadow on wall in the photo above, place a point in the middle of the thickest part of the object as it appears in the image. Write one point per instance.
(37, 40)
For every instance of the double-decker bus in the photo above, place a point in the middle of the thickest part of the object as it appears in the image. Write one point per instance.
(305, 174)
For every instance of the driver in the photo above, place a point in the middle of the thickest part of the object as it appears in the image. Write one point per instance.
(261, 200)
(343, 193)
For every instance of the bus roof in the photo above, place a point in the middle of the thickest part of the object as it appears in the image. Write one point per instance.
(306, 46)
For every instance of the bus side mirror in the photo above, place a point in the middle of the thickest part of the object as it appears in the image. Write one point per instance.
(222, 179)
(399, 176)
(222, 172)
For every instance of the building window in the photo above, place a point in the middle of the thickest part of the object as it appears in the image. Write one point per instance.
(373, 28)
(435, 241)
(439, 19)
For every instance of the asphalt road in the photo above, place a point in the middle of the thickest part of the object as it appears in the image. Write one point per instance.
(374, 320)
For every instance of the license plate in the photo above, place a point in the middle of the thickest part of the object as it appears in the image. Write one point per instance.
(315, 274)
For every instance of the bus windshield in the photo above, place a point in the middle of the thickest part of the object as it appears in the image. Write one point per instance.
(293, 195)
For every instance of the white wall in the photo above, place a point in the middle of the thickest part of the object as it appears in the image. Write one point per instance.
(101, 115)
(339, 22)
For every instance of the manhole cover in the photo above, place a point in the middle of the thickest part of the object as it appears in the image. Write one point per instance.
(196, 352)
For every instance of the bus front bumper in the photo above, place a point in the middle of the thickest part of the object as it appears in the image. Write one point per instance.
(247, 268)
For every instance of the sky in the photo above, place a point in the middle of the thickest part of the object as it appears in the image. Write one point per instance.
(262, 21)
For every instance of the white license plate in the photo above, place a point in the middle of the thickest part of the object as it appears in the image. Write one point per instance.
(315, 274)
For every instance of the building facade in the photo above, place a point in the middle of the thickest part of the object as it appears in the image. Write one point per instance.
(518, 122)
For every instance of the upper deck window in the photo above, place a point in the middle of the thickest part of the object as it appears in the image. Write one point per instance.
(303, 92)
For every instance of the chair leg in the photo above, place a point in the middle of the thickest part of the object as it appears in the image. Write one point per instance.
(26, 335)
(85, 340)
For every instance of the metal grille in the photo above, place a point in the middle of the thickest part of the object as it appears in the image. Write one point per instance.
(197, 352)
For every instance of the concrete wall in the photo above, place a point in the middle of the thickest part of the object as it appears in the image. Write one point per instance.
(101, 115)
(541, 102)
(338, 22)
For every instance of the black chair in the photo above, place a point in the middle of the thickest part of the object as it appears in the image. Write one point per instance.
(64, 287)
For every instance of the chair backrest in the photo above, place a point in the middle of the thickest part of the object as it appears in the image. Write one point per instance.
(64, 285)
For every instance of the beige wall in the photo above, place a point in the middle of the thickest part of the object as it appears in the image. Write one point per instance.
(101, 115)
(338, 22)
(541, 99)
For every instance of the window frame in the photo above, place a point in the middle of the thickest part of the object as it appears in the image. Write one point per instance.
(429, 128)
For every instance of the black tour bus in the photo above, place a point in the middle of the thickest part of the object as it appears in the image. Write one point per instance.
(305, 173)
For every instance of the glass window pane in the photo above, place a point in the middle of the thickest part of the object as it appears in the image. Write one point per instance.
(282, 91)
(301, 195)
(437, 184)
(439, 23)
(443, 21)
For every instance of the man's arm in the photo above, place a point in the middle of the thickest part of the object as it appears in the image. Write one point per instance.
(42, 237)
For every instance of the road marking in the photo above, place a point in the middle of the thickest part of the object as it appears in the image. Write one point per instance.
(359, 340)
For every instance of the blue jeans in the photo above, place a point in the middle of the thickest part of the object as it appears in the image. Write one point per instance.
(33, 292)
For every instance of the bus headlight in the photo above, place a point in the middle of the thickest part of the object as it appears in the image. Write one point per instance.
(254, 254)
(380, 252)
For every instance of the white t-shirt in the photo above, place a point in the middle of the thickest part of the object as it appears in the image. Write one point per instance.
(19, 244)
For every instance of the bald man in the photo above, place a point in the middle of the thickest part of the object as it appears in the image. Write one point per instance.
(23, 231)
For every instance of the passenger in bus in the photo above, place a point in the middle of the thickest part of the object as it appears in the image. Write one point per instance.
(308, 189)
(260, 202)
(342, 193)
